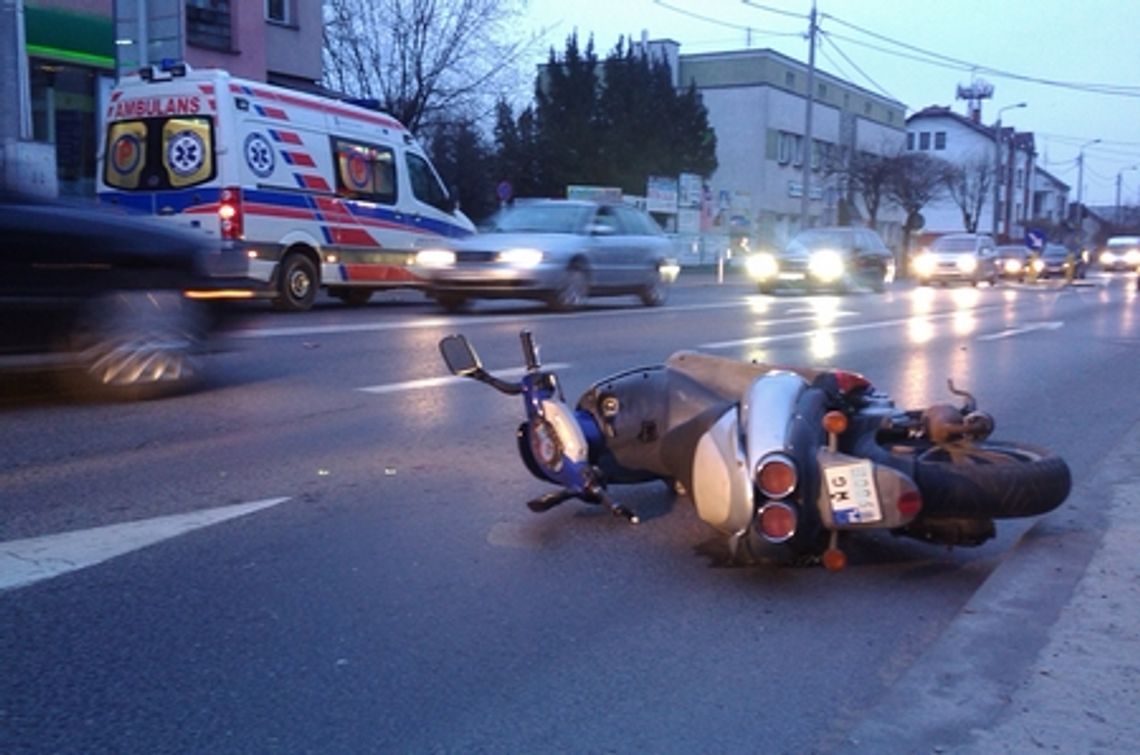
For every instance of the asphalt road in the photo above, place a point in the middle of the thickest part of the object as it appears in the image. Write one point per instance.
(391, 592)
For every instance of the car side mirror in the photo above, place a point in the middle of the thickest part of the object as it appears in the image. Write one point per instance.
(460, 356)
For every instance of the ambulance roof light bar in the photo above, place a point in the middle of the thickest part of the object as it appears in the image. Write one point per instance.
(167, 70)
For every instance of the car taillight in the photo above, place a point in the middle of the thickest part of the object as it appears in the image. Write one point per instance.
(776, 476)
(777, 521)
(850, 381)
(230, 214)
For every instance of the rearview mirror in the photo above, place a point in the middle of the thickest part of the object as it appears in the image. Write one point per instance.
(460, 356)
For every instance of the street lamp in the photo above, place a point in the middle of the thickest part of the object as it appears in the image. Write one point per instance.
(1081, 191)
(1119, 176)
(997, 160)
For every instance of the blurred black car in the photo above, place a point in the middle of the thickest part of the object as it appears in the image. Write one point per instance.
(1056, 260)
(122, 303)
(840, 258)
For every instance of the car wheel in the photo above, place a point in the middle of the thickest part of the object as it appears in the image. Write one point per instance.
(353, 297)
(139, 344)
(297, 285)
(654, 293)
(573, 292)
(452, 302)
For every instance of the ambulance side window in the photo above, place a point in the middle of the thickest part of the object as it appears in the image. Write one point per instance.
(425, 185)
(365, 171)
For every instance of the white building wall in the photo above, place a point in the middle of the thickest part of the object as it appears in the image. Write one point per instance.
(963, 144)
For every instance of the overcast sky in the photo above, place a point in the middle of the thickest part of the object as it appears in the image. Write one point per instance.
(1075, 64)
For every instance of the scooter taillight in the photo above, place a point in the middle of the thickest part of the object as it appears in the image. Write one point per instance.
(777, 521)
(776, 476)
(909, 503)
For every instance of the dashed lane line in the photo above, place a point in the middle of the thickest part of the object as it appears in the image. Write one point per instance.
(25, 562)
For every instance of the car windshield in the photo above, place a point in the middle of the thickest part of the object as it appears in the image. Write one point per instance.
(540, 218)
(820, 239)
(1054, 252)
(953, 245)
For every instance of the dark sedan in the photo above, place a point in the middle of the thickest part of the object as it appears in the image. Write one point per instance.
(119, 303)
(1056, 261)
(826, 258)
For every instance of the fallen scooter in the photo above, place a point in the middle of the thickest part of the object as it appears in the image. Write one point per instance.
(781, 460)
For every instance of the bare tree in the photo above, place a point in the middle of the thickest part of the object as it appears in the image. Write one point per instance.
(970, 184)
(869, 176)
(424, 61)
(917, 179)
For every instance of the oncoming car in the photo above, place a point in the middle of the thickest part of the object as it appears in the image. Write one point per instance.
(1120, 253)
(838, 258)
(966, 257)
(1012, 261)
(559, 251)
(118, 306)
(1056, 261)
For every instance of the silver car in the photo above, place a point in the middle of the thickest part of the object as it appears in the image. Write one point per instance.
(555, 250)
(968, 257)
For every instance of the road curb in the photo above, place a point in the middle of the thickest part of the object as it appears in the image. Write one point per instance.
(1046, 655)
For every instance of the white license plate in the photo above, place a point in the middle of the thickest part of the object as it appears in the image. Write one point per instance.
(851, 493)
(791, 276)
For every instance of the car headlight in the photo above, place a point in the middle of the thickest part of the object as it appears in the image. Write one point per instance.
(1107, 258)
(1013, 267)
(826, 265)
(762, 266)
(967, 263)
(521, 257)
(1038, 265)
(1132, 257)
(924, 264)
(435, 258)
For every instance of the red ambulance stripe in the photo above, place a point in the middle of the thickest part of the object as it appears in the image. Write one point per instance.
(301, 158)
(316, 183)
(286, 137)
(353, 236)
(378, 273)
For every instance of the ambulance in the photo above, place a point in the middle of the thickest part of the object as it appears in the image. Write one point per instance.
(315, 192)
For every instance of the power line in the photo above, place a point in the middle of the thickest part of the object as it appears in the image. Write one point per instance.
(826, 37)
(935, 58)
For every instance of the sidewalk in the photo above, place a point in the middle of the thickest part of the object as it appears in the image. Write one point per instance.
(1046, 656)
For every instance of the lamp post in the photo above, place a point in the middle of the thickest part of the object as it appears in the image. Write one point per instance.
(1119, 176)
(1081, 191)
(997, 162)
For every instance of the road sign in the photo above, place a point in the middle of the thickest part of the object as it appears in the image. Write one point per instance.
(1035, 238)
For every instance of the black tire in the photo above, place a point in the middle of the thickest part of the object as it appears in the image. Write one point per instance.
(573, 291)
(452, 302)
(655, 292)
(137, 345)
(988, 479)
(297, 283)
(353, 297)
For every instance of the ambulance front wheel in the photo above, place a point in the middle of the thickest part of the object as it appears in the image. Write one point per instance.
(297, 283)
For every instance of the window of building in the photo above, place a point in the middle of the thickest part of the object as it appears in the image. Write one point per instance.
(821, 91)
(789, 80)
(787, 148)
(279, 11)
(867, 108)
(799, 150)
(1020, 178)
(209, 23)
(940, 140)
(924, 141)
(910, 141)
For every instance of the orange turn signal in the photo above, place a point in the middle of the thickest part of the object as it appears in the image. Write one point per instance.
(835, 422)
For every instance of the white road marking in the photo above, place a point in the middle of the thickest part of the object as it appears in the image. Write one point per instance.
(756, 340)
(25, 562)
(414, 385)
(479, 319)
(1053, 325)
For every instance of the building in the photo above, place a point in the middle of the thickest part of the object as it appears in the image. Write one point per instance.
(1017, 197)
(73, 50)
(756, 102)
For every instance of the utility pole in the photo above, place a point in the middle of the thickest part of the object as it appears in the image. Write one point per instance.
(1081, 192)
(997, 167)
(807, 152)
(1119, 176)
